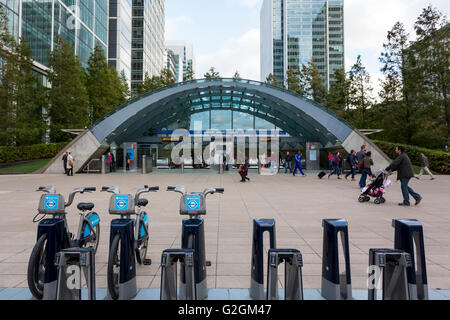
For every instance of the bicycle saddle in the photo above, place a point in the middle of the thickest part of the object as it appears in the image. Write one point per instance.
(142, 202)
(85, 206)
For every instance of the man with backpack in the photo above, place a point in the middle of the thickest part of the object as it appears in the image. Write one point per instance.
(352, 162)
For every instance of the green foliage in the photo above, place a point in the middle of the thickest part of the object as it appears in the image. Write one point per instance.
(439, 160)
(26, 168)
(22, 97)
(272, 80)
(69, 99)
(104, 86)
(190, 75)
(293, 81)
(165, 78)
(337, 99)
(211, 74)
(10, 154)
(360, 95)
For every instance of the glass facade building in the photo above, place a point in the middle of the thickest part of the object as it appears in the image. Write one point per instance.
(119, 36)
(83, 23)
(147, 42)
(185, 57)
(295, 32)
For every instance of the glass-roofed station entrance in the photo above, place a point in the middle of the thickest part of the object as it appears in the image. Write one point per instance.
(243, 113)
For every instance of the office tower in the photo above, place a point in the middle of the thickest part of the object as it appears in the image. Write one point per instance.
(184, 55)
(295, 32)
(119, 36)
(148, 51)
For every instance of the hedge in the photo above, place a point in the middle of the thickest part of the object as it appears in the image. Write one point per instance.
(439, 160)
(32, 152)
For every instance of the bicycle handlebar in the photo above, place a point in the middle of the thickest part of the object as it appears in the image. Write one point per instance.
(144, 190)
(182, 190)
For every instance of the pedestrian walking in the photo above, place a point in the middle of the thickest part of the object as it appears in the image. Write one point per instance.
(64, 160)
(402, 164)
(111, 161)
(243, 172)
(352, 163)
(69, 167)
(330, 161)
(336, 166)
(360, 162)
(288, 163)
(424, 165)
(298, 163)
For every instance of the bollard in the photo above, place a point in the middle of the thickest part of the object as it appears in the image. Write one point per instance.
(293, 283)
(169, 259)
(72, 263)
(335, 285)
(182, 167)
(221, 168)
(409, 232)
(257, 272)
(391, 266)
(103, 164)
(144, 164)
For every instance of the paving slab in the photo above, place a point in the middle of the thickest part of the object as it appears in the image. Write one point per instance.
(298, 204)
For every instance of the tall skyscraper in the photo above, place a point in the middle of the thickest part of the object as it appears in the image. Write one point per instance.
(82, 23)
(119, 36)
(147, 42)
(295, 32)
(184, 55)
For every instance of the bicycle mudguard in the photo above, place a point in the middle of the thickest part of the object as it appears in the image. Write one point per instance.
(143, 224)
(94, 220)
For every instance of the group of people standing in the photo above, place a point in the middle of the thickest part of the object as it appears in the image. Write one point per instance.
(298, 158)
(68, 163)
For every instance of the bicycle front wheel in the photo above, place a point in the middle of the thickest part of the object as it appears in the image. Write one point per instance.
(36, 268)
(113, 272)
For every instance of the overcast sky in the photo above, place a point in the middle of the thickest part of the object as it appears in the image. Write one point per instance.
(225, 33)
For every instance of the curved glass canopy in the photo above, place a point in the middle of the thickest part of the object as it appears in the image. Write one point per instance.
(222, 104)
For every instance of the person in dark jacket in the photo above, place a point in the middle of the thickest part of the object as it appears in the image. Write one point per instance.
(424, 165)
(402, 164)
(288, 163)
(64, 160)
(352, 162)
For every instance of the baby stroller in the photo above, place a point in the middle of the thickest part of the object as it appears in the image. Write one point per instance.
(376, 188)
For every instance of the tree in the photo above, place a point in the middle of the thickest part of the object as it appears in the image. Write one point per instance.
(149, 84)
(400, 79)
(125, 88)
(69, 100)
(103, 85)
(432, 54)
(22, 97)
(360, 94)
(272, 80)
(212, 74)
(190, 75)
(311, 83)
(167, 77)
(337, 99)
(237, 76)
(293, 80)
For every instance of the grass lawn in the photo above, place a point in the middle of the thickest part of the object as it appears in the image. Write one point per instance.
(26, 167)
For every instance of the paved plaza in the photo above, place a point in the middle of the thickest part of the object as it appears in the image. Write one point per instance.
(297, 204)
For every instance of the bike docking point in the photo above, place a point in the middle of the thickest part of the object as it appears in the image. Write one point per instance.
(257, 272)
(72, 263)
(335, 285)
(293, 282)
(392, 265)
(409, 234)
(169, 290)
